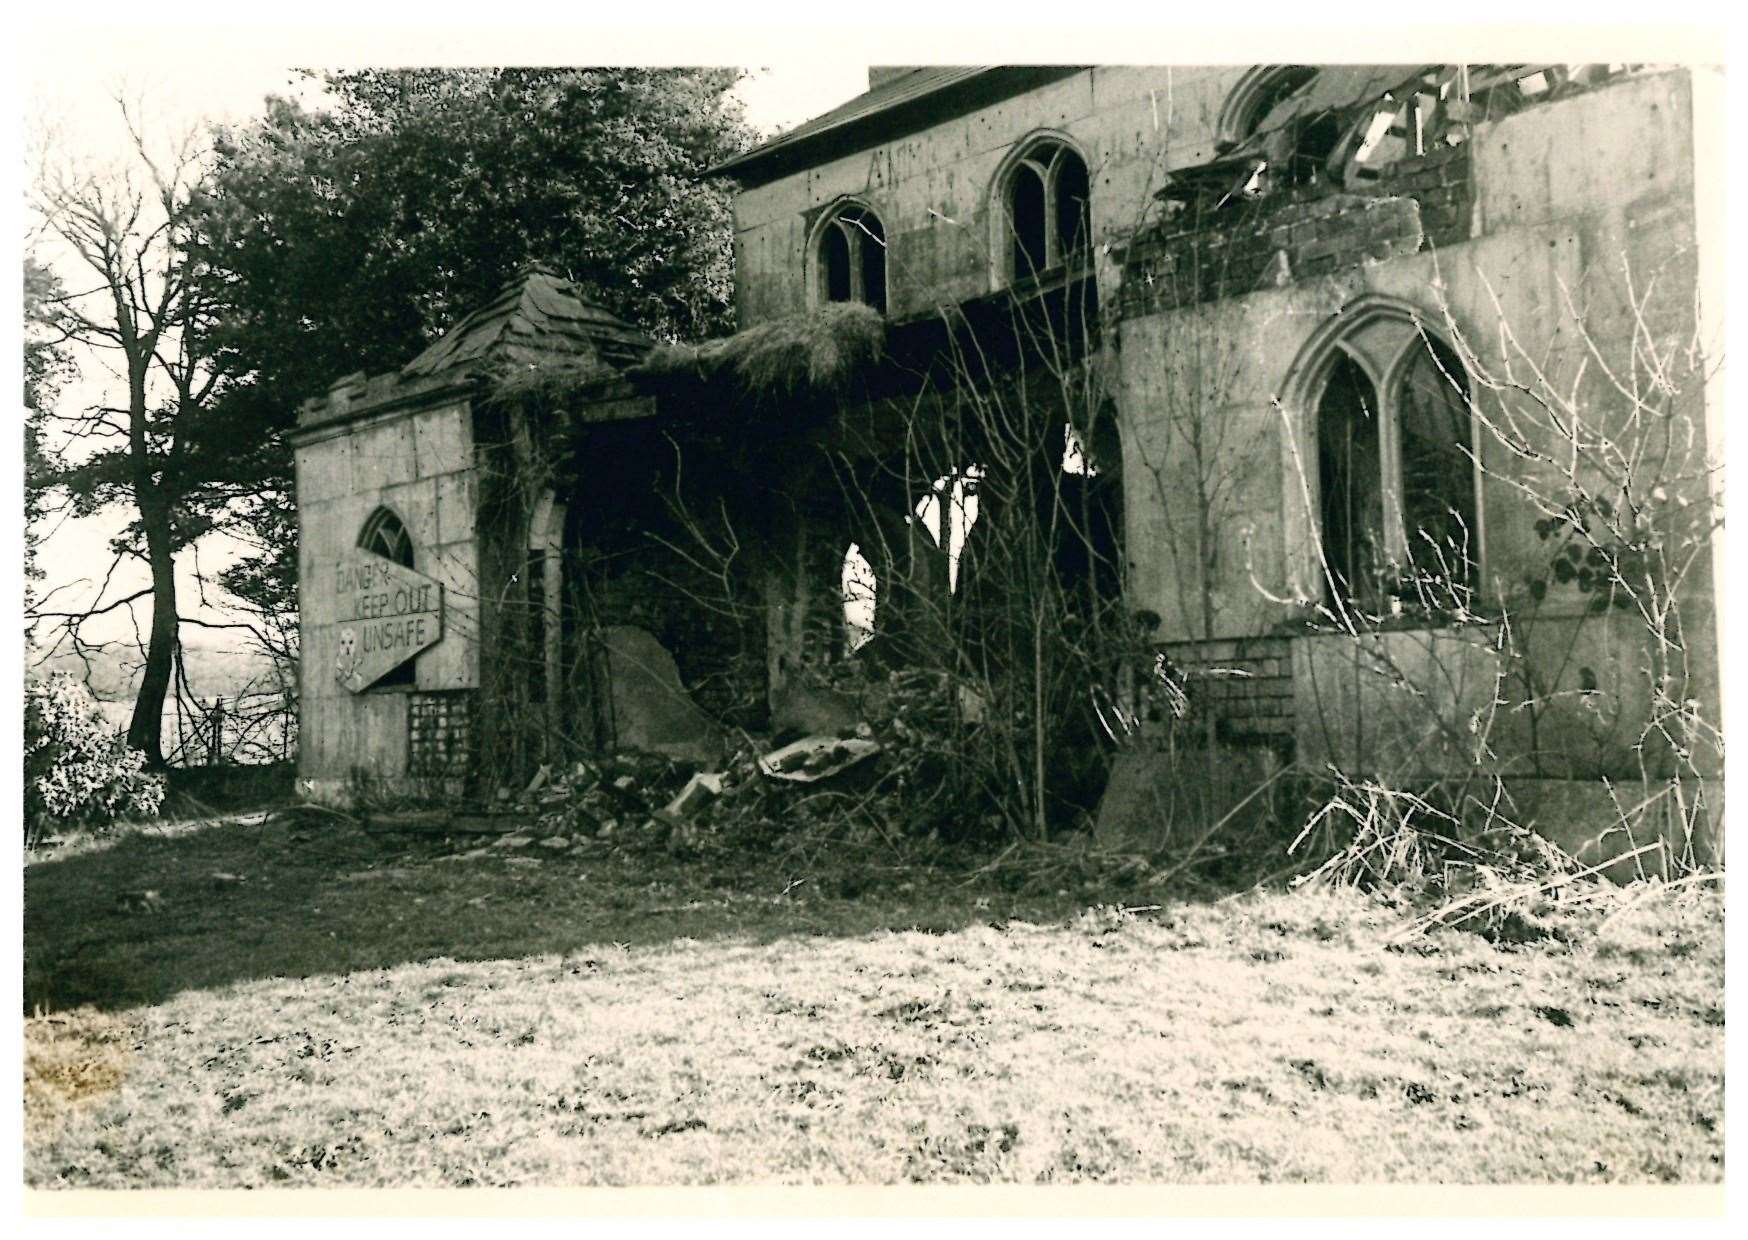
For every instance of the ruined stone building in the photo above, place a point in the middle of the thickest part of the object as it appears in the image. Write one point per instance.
(1364, 356)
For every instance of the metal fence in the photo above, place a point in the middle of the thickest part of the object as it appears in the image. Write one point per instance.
(251, 728)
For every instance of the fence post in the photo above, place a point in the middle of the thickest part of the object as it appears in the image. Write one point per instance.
(215, 745)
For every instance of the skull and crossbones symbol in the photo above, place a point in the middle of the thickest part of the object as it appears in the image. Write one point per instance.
(346, 660)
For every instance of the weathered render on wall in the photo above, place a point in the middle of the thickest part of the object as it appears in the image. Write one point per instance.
(1568, 221)
(936, 188)
(418, 463)
(1565, 245)
(1541, 236)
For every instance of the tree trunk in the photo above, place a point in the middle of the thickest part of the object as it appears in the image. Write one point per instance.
(145, 730)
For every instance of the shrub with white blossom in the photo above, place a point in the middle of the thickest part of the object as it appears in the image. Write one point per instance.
(77, 769)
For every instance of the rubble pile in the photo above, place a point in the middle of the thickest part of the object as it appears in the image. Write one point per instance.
(888, 776)
(602, 799)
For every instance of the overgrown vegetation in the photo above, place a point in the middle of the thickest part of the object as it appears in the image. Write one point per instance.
(971, 501)
(822, 349)
(1482, 743)
(78, 772)
(1611, 457)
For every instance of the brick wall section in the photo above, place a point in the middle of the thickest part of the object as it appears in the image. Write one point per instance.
(1441, 182)
(440, 734)
(1299, 234)
(1246, 682)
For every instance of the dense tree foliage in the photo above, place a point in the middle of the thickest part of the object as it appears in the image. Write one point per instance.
(347, 237)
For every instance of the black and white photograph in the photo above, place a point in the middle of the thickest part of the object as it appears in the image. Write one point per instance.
(631, 612)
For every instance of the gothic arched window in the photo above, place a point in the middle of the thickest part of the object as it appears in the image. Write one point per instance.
(1046, 198)
(1391, 425)
(850, 257)
(386, 535)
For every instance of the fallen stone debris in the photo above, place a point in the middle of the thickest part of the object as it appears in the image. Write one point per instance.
(880, 775)
(881, 790)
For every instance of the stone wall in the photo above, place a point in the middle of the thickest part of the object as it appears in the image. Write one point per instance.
(933, 189)
(1233, 363)
(1425, 202)
(1246, 683)
(419, 464)
(1562, 234)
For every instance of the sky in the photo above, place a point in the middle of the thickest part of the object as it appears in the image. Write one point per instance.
(69, 83)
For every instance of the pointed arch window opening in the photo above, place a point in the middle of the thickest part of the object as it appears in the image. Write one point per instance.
(1398, 510)
(860, 591)
(385, 534)
(1350, 483)
(948, 511)
(852, 258)
(1047, 200)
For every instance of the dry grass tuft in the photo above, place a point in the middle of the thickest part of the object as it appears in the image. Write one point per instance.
(72, 1060)
(822, 349)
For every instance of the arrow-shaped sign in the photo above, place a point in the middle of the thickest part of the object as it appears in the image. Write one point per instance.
(385, 614)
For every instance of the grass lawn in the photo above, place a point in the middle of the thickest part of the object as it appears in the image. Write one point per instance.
(327, 1007)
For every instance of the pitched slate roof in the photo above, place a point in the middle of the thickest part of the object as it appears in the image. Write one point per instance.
(539, 323)
(900, 103)
(537, 320)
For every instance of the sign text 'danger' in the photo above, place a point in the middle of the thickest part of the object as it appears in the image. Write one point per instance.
(368, 589)
(385, 613)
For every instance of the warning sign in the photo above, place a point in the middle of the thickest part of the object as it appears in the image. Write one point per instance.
(386, 613)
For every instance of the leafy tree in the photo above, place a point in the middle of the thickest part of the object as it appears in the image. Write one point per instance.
(348, 237)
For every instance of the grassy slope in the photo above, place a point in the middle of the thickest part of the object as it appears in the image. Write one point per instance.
(347, 1016)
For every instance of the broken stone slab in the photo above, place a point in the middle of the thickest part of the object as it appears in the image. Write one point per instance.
(555, 842)
(702, 788)
(814, 758)
(515, 841)
(813, 710)
(651, 709)
(434, 821)
(1153, 798)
